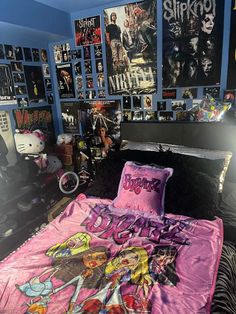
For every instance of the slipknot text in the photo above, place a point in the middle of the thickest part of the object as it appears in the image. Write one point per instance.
(137, 184)
(122, 228)
(178, 10)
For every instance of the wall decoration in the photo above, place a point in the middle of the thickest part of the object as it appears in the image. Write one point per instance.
(90, 94)
(6, 140)
(62, 53)
(165, 116)
(99, 65)
(27, 54)
(231, 80)
(147, 102)
(2, 54)
(7, 93)
(22, 102)
(230, 96)
(98, 51)
(169, 93)
(50, 98)
(76, 54)
(87, 52)
(137, 115)
(20, 89)
(161, 105)
(9, 50)
(19, 77)
(44, 56)
(137, 102)
(36, 118)
(102, 93)
(80, 95)
(131, 39)
(89, 81)
(192, 42)
(178, 105)
(19, 53)
(34, 82)
(35, 53)
(79, 82)
(126, 102)
(46, 70)
(150, 115)
(183, 116)
(88, 66)
(77, 67)
(65, 81)
(48, 84)
(127, 115)
(100, 80)
(16, 66)
(69, 112)
(189, 93)
(88, 31)
(213, 91)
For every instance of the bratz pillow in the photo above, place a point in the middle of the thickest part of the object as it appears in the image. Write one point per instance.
(142, 187)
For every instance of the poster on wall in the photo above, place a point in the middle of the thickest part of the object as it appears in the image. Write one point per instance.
(7, 144)
(131, 48)
(192, 42)
(88, 31)
(35, 83)
(69, 114)
(231, 82)
(7, 93)
(65, 81)
(36, 118)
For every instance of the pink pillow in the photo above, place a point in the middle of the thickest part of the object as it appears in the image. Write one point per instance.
(142, 187)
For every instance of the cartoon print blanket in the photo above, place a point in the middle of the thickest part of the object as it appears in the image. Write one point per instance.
(94, 259)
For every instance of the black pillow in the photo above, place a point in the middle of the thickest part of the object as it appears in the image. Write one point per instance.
(192, 190)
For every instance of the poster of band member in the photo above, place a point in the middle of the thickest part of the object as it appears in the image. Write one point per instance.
(88, 31)
(65, 81)
(36, 118)
(192, 42)
(131, 48)
(231, 83)
(69, 114)
(35, 83)
(7, 94)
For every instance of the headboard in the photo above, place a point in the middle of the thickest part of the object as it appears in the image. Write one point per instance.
(210, 135)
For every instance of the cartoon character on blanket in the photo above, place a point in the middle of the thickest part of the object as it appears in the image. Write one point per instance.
(78, 264)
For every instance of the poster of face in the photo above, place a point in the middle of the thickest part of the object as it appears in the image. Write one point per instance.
(101, 118)
(7, 93)
(35, 83)
(65, 81)
(131, 44)
(88, 31)
(7, 144)
(69, 113)
(192, 42)
(36, 118)
(231, 81)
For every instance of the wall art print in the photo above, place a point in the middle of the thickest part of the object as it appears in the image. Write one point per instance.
(131, 46)
(7, 93)
(231, 82)
(192, 42)
(65, 81)
(35, 83)
(88, 31)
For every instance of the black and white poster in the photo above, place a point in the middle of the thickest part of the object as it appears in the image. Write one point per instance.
(7, 93)
(69, 113)
(131, 48)
(88, 31)
(65, 81)
(231, 82)
(192, 42)
(35, 83)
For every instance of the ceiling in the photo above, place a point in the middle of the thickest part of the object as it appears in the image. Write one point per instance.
(71, 6)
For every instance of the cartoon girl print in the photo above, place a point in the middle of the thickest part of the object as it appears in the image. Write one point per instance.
(129, 266)
(77, 243)
(162, 265)
(85, 270)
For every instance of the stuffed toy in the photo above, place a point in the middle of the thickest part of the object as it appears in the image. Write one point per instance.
(30, 143)
(64, 139)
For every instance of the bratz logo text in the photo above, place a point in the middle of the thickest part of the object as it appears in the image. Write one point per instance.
(107, 225)
(137, 184)
(179, 10)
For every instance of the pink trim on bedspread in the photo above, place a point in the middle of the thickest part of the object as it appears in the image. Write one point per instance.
(97, 259)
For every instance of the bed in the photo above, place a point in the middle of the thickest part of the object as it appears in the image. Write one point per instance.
(111, 251)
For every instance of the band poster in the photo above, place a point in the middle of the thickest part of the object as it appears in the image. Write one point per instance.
(192, 42)
(231, 83)
(65, 81)
(131, 48)
(88, 31)
(35, 83)
(7, 94)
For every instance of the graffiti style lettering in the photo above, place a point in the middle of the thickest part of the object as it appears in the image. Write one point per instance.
(137, 184)
(87, 23)
(177, 10)
(24, 118)
(107, 225)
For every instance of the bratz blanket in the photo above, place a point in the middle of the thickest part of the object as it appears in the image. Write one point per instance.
(93, 259)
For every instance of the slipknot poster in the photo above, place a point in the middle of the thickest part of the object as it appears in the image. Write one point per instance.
(231, 83)
(88, 31)
(131, 48)
(192, 41)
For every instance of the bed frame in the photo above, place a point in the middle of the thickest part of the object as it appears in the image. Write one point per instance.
(210, 135)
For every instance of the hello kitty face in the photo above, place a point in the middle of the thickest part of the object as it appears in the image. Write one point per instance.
(28, 143)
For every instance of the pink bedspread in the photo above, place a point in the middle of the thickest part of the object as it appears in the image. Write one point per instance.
(95, 259)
